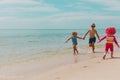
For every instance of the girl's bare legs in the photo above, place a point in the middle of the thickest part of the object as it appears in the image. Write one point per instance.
(112, 55)
(75, 52)
(105, 55)
(75, 49)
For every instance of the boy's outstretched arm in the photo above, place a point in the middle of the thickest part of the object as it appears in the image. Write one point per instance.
(86, 34)
(68, 39)
(97, 35)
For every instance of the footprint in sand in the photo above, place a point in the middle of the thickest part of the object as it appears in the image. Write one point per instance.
(57, 78)
(85, 66)
(98, 62)
(92, 56)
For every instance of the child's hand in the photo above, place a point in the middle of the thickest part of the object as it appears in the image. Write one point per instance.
(118, 46)
(98, 42)
(99, 39)
(83, 38)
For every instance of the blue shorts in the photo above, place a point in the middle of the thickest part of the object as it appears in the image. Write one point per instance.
(91, 40)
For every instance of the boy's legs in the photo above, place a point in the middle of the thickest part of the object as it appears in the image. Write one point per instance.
(111, 49)
(92, 43)
(93, 47)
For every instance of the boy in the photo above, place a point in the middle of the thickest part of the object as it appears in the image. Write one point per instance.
(92, 32)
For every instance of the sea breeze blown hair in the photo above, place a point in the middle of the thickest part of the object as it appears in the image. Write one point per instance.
(110, 30)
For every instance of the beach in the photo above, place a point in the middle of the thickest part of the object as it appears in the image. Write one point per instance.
(59, 39)
(95, 69)
(34, 55)
(63, 67)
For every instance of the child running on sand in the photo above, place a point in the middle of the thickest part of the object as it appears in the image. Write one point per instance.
(92, 32)
(110, 38)
(74, 41)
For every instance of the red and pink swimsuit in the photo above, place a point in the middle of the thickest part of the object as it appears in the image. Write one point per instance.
(109, 43)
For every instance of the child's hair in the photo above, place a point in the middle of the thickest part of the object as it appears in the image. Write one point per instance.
(74, 33)
(93, 25)
(110, 31)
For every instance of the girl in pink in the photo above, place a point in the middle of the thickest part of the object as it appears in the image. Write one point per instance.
(110, 38)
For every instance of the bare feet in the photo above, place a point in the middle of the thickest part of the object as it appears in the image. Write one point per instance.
(112, 56)
(93, 51)
(104, 57)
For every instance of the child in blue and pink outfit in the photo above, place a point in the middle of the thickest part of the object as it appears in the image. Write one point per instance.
(110, 38)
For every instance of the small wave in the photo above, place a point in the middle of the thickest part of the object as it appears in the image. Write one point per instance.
(34, 41)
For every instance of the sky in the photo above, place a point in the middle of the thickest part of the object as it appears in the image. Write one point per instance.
(59, 14)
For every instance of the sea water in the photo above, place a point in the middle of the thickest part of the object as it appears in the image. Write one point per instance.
(17, 45)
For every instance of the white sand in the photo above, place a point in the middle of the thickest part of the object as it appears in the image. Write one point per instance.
(93, 69)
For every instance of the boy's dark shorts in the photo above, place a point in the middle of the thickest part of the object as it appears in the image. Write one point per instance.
(91, 40)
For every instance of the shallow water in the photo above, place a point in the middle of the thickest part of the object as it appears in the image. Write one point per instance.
(20, 45)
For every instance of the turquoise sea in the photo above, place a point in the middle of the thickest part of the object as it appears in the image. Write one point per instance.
(26, 44)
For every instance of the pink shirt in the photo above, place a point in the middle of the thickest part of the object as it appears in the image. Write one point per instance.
(109, 39)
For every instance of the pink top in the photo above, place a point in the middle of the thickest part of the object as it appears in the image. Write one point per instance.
(109, 39)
